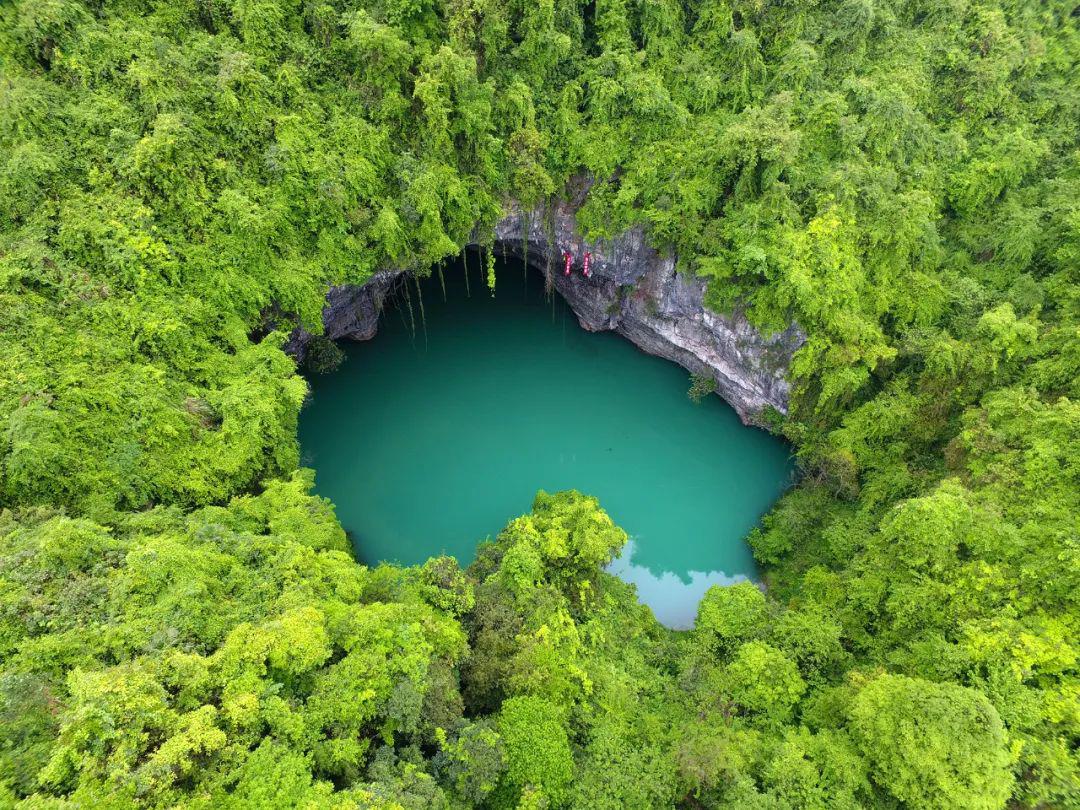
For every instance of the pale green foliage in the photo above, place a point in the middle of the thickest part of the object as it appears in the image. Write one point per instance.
(763, 681)
(819, 771)
(730, 615)
(191, 637)
(537, 750)
(933, 745)
(567, 537)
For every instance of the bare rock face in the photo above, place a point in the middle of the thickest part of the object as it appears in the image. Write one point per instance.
(632, 290)
(636, 292)
(350, 312)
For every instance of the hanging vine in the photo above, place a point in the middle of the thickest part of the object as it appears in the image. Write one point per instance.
(423, 316)
(465, 262)
(549, 237)
(526, 224)
(408, 304)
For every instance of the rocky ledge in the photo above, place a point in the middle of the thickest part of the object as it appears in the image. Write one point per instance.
(633, 290)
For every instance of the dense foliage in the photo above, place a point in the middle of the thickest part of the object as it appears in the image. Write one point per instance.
(181, 624)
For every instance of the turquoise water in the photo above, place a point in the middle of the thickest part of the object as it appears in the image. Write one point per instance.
(430, 442)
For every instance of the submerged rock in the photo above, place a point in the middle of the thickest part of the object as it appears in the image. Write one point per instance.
(633, 290)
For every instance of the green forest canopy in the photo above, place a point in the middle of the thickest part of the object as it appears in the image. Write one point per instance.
(181, 624)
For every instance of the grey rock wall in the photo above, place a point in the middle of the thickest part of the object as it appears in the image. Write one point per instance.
(633, 290)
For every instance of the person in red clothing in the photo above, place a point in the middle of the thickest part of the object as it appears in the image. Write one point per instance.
(567, 258)
(585, 269)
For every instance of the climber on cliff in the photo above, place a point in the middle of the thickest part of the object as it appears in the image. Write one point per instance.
(568, 259)
(585, 269)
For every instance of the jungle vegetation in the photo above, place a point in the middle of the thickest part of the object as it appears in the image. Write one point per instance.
(181, 621)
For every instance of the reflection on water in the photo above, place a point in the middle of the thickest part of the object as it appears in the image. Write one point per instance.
(673, 597)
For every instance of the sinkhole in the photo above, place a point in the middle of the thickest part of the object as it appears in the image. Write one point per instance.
(434, 434)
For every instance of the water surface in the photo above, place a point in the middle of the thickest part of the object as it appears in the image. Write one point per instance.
(428, 441)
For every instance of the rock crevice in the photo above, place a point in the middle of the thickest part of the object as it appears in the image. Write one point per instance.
(633, 290)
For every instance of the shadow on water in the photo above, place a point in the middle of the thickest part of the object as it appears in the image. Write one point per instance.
(430, 437)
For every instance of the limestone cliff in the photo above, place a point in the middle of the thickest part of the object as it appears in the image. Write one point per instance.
(633, 290)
